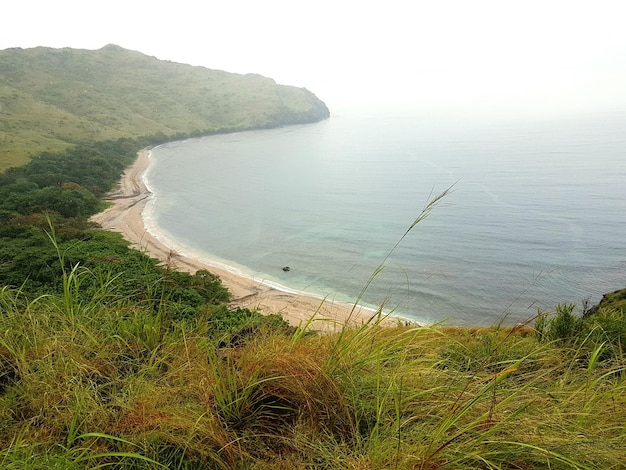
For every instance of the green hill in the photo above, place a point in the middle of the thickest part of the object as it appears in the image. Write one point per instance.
(53, 98)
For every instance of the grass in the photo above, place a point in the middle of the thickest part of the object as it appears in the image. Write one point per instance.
(93, 389)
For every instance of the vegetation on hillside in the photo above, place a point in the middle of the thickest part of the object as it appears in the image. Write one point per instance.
(615, 300)
(51, 99)
(92, 385)
(45, 234)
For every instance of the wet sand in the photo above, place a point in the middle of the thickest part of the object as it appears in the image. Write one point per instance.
(125, 216)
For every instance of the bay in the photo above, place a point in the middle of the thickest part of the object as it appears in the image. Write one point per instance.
(536, 215)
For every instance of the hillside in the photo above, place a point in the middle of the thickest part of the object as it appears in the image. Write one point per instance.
(53, 98)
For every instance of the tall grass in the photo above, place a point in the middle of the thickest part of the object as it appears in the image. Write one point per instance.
(90, 390)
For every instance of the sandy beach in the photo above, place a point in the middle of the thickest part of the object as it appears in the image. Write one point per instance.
(125, 216)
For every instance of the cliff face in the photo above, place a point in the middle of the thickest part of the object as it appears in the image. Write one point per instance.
(50, 98)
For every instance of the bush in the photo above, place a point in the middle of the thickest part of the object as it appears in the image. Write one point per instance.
(565, 326)
(232, 328)
(603, 331)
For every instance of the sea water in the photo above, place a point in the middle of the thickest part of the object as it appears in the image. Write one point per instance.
(536, 215)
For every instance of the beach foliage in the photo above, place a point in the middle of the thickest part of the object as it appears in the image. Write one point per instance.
(45, 234)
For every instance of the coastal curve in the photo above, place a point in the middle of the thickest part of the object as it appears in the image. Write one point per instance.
(125, 215)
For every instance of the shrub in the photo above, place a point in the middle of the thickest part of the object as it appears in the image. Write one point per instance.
(600, 335)
(565, 327)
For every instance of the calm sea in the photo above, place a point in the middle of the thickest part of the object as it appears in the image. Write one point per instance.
(537, 215)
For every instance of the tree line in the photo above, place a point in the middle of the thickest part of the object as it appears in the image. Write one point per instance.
(45, 233)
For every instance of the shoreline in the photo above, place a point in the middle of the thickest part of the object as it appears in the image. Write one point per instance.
(126, 217)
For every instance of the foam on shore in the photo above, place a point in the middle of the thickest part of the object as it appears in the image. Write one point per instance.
(213, 262)
(132, 215)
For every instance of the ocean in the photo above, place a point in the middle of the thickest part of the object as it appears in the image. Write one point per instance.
(535, 216)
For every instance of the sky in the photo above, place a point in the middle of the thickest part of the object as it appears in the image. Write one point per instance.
(533, 56)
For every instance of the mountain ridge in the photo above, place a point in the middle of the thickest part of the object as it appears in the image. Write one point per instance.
(53, 98)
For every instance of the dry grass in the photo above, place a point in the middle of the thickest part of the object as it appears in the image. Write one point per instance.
(91, 388)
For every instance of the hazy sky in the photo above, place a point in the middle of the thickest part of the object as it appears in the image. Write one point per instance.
(500, 54)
